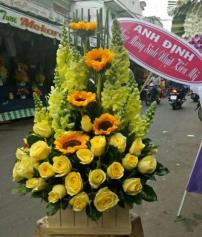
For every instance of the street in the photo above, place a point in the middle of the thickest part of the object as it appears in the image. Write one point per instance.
(178, 134)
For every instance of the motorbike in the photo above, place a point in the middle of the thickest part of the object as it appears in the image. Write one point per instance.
(194, 96)
(176, 98)
(152, 94)
(198, 107)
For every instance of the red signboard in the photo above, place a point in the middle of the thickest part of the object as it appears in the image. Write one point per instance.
(161, 52)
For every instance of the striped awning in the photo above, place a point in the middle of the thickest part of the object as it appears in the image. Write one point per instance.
(16, 114)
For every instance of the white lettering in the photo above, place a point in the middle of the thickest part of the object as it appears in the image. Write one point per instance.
(138, 29)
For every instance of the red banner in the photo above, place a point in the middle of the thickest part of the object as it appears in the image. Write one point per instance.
(161, 52)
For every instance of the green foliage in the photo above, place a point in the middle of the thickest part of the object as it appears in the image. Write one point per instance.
(116, 34)
(148, 193)
(52, 208)
(32, 138)
(21, 189)
(161, 170)
(92, 212)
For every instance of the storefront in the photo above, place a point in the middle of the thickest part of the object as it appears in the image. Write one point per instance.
(27, 61)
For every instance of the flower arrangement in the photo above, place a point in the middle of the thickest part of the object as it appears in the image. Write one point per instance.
(88, 149)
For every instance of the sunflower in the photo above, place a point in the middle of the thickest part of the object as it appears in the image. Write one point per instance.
(71, 142)
(98, 58)
(82, 25)
(105, 124)
(81, 98)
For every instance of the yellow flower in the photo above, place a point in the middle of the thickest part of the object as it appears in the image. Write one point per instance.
(21, 153)
(79, 202)
(36, 184)
(71, 142)
(96, 178)
(46, 170)
(23, 169)
(61, 165)
(132, 186)
(81, 98)
(86, 123)
(98, 144)
(98, 59)
(147, 165)
(115, 170)
(137, 147)
(73, 183)
(105, 199)
(40, 150)
(57, 193)
(119, 141)
(85, 156)
(81, 25)
(105, 124)
(43, 129)
(129, 162)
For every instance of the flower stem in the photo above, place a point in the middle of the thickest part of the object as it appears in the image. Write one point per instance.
(99, 88)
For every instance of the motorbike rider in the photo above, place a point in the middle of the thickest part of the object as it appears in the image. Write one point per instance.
(154, 83)
(180, 87)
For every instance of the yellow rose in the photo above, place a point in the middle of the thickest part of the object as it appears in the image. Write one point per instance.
(132, 186)
(21, 152)
(73, 183)
(119, 141)
(40, 150)
(61, 165)
(98, 144)
(129, 162)
(23, 169)
(86, 123)
(137, 147)
(105, 199)
(43, 129)
(79, 202)
(36, 184)
(85, 156)
(46, 170)
(96, 178)
(147, 165)
(57, 193)
(115, 170)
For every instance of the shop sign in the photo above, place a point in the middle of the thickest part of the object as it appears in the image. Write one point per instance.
(30, 6)
(29, 23)
(161, 52)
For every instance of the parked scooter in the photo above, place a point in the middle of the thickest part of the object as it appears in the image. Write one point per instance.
(194, 96)
(176, 98)
(199, 110)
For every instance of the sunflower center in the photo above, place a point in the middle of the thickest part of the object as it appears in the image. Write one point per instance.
(105, 125)
(80, 99)
(98, 59)
(71, 143)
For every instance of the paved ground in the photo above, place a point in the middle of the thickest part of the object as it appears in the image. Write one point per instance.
(171, 130)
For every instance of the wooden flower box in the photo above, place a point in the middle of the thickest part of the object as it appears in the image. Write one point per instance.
(116, 221)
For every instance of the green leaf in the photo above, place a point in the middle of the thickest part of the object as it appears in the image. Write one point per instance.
(92, 212)
(52, 208)
(112, 154)
(130, 200)
(130, 140)
(21, 189)
(32, 138)
(148, 193)
(161, 170)
(64, 203)
(37, 194)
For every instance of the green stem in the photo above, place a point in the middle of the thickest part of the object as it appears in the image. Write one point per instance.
(99, 87)
(84, 42)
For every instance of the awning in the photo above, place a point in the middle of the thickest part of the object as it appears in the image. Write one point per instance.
(26, 22)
